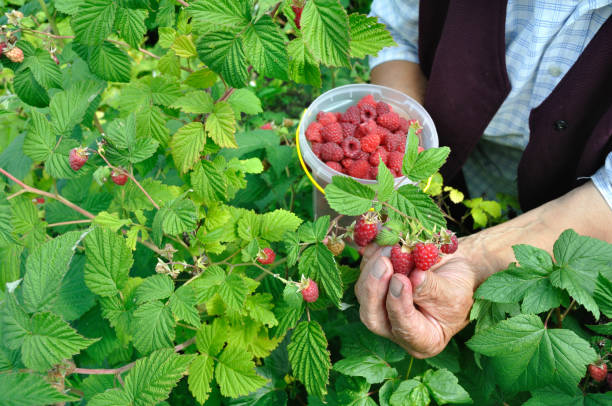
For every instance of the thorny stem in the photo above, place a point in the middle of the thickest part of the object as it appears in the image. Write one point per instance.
(47, 194)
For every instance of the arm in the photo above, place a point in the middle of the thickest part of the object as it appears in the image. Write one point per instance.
(404, 76)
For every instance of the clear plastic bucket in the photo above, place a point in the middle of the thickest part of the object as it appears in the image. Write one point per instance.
(340, 99)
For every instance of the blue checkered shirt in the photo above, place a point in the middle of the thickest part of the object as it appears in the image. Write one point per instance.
(543, 40)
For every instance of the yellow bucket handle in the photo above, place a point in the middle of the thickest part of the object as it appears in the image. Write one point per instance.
(299, 152)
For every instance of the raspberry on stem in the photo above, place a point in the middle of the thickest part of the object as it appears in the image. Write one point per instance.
(266, 256)
(598, 372)
(310, 290)
(402, 259)
(366, 229)
(77, 158)
(425, 255)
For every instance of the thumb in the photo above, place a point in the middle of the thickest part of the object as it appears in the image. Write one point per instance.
(428, 286)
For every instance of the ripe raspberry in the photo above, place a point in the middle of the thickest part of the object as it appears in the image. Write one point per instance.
(313, 132)
(425, 255)
(450, 242)
(396, 173)
(368, 112)
(382, 132)
(373, 172)
(389, 120)
(347, 162)
(348, 129)
(394, 161)
(363, 155)
(368, 127)
(382, 108)
(332, 133)
(402, 144)
(598, 372)
(38, 200)
(119, 178)
(334, 244)
(351, 147)
(335, 165)
(392, 142)
(298, 16)
(316, 149)
(338, 116)
(14, 55)
(331, 152)
(381, 153)
(77, 158)
(266, 256)
(352, 115)
(421, 149)
(402, 259)
(3, 45)
(326, 118)
(360, 169)
(268, 126)
(369, 99)
(370, 142)
(403, 125)
(310, 292)
(366, 229)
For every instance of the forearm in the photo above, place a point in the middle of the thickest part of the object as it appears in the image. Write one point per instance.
(404, 76)
(583, 209)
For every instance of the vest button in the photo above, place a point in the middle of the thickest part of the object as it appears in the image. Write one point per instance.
(560, 125)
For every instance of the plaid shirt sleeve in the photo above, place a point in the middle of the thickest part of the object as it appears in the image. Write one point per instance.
(603, 180)
(402, 20)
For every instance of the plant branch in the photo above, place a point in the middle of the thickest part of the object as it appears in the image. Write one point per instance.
(50, 18)
(57, 197)
(67, 223)
(547, 317)
(183, 3)
(567, 310)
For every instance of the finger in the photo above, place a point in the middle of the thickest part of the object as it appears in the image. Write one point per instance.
(371, 290)
(369, 252)
(416, 332)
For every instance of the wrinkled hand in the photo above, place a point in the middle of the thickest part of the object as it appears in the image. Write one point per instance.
(420, 312)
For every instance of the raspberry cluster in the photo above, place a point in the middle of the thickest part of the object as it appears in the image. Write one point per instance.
(355, 141)
(422, 255)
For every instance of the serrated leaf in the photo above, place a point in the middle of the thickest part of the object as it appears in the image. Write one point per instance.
(110, 221)
(94, 21)
(155, 287)
(532, 356)
(109, 261)
(170, 64)
(74, 298)
(221, 125)
(45, 70)
(111, 397)
(603, 294)
(368, 36)
(153, 327)
(552, 397)
(245, 101)
(177, 216)
(15, 323)
(326, 31)
(259, 307)
(69, 7)
(265, 48)
(68, 107)
(23, 389)
(234, 13)
(197, 102)
(309, 357)
(151, 123)
(233, 292)
(317, 263)
(572, 281)
(347, 196)
(182, 303)
(200, 377)
(414, 203)
(385, 183)
(202, 78)
(186, 145)
(410, 393)
(208, 182)
(303, 68)
(373, 369)
(223, 52)
(235, 373)
(444, 387)
(29, 90)
(183, 46)
(274, 225)
(131, 25)
(109, 62)
(50, 340)
(427, 163)
(166, 36)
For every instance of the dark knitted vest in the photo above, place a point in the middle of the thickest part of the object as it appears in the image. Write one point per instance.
(462, 53)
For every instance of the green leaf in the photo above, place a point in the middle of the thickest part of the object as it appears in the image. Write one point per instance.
(49, 341)
(6, 232)
(245, 101)
(347, 196)
(227, 13)
(131, 25)
(153, 327)
(303, 68)
(410, 393)
(552, 397)
(169, 64)
(221, 125)
(182, 303)
(274, 225)
(74, 298)
(152, 378)
(201, 79)
(211, 338)
(29, 90)
(39, 140)
(385, 183)
(603, 295)
(183, 46)
(572, 282)
(44, 69)
(94, 21)
(368, 36)
(223, 52)
(156, 287)
(427, 163)
(197, 102)
(109, 261)
(186, 145)
(233, 292)
(208, 182)
(200, 377)
(69, 7)
(414, 203)
(265, 47)
(166, 36)
(534, 260)
(110, 221)
(318, 263)
(444, 387)
(259, 307)
(15, 323)
(46, 267)
(605, 329)
(68, 107)
(235, 373)
(22, 389)
(309, 357)
(314, 232)
(111, 397)
(373, 369)
(177, 216)
(151, 122)
(530, 356)
(109, 62)
(326, 31)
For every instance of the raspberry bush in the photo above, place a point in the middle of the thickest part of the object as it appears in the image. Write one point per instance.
(157, 245)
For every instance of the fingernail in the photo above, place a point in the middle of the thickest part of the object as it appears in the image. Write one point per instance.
(417, 278)
(378, 269)
(386, 252)
(395, 287)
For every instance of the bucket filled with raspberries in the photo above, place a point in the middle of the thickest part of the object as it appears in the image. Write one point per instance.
(348, 130)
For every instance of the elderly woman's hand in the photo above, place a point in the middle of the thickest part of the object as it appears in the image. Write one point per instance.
(420, 312)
